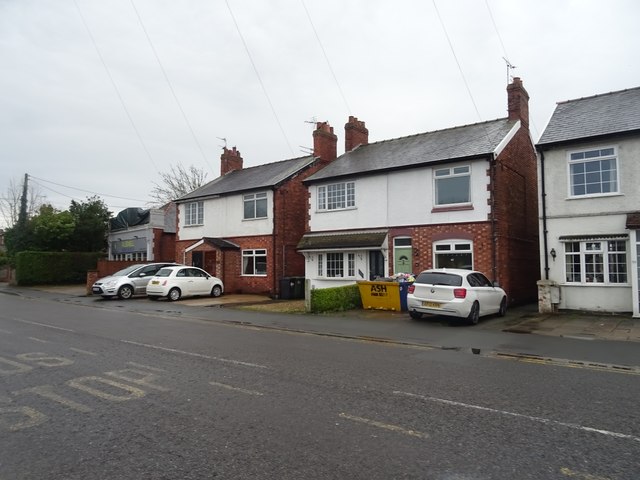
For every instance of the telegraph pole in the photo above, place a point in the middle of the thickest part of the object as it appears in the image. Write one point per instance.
(22, 216)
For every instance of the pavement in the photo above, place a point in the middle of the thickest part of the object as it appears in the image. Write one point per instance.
(519, 320)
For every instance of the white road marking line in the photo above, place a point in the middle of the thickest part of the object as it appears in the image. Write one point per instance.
(7, 332)
(44, 325)
(236, 389)
(193, 354)
(147, 367)
(546, 421)
(86, 352)
(386, 426)
(37, 340)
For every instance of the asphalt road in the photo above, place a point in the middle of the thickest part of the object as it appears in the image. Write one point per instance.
(95, 390)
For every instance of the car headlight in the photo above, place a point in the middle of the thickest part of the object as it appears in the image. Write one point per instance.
(110, 283)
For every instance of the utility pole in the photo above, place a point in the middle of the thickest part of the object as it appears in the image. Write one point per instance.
(22, 216)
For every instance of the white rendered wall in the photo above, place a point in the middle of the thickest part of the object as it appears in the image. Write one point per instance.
(401, 198)
(223, 217)
(591, 216)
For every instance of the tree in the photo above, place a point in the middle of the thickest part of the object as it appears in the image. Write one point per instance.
(176, 183)
(52, 229)
(91, 219)
(11, 202)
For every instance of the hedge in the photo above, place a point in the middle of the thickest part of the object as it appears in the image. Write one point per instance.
(54, 268)
(335, 299)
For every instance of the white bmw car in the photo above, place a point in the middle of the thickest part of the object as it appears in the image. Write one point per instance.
(457, 293)
(182, 281)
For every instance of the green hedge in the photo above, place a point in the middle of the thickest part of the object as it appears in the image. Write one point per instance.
(335, 299)
(54, 268)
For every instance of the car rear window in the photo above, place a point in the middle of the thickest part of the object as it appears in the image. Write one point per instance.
(439, 278)
(163, 272)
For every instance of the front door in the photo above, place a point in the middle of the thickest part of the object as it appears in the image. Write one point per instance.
(376, 264)
(210, 263)
(197, 259)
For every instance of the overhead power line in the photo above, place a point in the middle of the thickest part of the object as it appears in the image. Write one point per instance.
(333, 74)
(82, 190)
(115, 87)
(166, 77)
(255, 69)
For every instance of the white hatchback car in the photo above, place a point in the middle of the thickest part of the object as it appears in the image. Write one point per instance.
(457, 293)
(182, 281)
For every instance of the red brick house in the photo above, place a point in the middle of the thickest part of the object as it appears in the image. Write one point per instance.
(461, 197)
(244, 226)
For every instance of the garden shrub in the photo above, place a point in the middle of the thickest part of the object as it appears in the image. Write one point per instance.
(335, 299)
(54, 268)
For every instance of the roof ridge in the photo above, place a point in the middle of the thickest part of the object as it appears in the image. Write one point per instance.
(597, 95)
(268, 164)
(437, 131)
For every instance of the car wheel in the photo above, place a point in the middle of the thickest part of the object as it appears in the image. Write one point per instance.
(216, 291)
(174, 294)
(415, 315)
(474, 314)
(125, 292)
(503, 307)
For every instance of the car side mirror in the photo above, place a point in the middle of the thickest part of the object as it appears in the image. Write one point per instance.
(142, 275)
(496, 284)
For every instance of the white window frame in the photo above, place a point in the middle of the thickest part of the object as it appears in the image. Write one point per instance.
(448, 173)
(594, 253)
(193, 214)
(592, 155)
(340, 265)
(251, 256)
(336, 196)
(255, 199)
(456, 246)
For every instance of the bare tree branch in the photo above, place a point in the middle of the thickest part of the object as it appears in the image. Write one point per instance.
(176, 183)
(10, 202)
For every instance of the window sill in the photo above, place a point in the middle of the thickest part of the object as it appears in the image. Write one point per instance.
(194, 225)
(336, 210)
(595, 195)
(453, 208)
(595, 284)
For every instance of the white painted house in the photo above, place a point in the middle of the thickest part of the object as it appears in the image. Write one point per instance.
(461, 197)
(589, 171)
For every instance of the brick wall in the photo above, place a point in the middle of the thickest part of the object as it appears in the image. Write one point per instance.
(515, 210)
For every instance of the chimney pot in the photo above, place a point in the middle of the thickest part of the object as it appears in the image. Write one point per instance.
(518, 102)
(230, 160)
(355, 134)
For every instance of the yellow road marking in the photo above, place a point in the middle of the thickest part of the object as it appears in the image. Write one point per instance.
(236, 389)
(85, 352)
(385, 426)
(583, 476)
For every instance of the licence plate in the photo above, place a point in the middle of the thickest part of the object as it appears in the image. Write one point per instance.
(431, 304)
(155, 282)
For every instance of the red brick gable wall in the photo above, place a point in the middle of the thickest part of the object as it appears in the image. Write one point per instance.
(515, 211)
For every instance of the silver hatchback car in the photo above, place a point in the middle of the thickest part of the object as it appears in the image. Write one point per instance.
(129, 281)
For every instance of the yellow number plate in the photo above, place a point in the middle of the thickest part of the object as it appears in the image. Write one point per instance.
(431, 304)
(155, 282)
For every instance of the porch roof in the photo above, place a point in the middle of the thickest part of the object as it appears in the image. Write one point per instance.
(332, 241)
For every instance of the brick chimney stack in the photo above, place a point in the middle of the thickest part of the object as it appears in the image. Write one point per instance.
(518, 102)
(230, 160)
(355, 134)
(325, 143)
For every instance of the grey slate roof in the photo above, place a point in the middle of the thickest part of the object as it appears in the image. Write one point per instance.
(606, 114)
(252, 178)
(441, 145)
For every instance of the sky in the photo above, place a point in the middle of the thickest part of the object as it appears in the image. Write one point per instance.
(99, 97)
